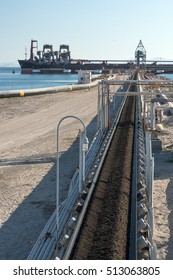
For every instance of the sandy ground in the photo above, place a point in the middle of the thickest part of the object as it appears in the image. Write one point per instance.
(163, 193)
(28, 128)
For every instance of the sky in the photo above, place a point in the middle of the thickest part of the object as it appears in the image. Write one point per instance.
(94, 29)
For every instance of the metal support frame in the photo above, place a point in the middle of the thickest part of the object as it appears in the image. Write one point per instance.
(140, 54)
(103, 106)
(143, 93)
(160, 83)
(152, 115)
(83, 147)
(148, 163)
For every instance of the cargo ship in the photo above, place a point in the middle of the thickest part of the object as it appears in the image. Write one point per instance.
(49, 61)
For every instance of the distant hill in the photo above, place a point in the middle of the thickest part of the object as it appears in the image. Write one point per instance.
(160, 59)
(9, 64)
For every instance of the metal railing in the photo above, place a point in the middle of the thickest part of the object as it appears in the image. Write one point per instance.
(145, 247)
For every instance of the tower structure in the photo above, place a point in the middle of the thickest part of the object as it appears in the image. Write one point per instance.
(140, 55)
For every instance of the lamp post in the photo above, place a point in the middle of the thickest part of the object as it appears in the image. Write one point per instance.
(83, 147)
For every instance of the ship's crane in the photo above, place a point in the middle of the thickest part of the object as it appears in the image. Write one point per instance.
(48, 53)
(34, 45)
(47, 48)
(64, 54)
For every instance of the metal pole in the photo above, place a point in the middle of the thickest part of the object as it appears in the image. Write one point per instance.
(99, 116)
(149, 168)
(85, 144)
(80, 163)
(106, 95)
(98, 107)
(152, 115)
(102, 109)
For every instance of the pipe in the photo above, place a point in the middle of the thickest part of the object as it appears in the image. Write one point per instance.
(50, 90)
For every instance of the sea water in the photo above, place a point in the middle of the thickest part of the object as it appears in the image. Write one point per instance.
(12, 79)
(168, 76)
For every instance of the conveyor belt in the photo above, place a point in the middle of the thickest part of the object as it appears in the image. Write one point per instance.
(105, 229)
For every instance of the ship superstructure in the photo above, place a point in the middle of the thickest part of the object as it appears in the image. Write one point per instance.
(46, 60)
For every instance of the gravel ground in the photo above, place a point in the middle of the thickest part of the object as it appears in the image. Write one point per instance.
(163, 192)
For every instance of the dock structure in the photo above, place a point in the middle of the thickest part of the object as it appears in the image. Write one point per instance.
(49, 61)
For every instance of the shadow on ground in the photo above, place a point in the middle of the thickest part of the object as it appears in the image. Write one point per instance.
(19, 233)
